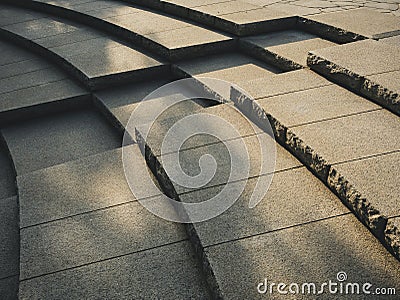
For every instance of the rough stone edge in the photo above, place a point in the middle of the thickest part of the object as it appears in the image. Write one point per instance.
(334, 72)
(168, 188)
(371, 217)
(354, 82)
(331, 33)
(381, 95)
(392, 238)
(268, 57)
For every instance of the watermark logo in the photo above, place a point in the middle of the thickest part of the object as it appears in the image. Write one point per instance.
(340, 286)
(150, 122)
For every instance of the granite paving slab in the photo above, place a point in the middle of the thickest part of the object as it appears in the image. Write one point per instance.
(234, 68)
(37, 100)
(189, 160)
(360, 58)
(340, 244)
(110, 64)
(92, 237)
(378, 180)
(39, 143)
(80, 186)
(9, 237)
(383, 88)
(358, 21)
(394, 40)
(315, 105)
(287, 50)
(9, 288)
(353, 136)
(295, 197)
(284, 83)
(350, 65)
(225, 112)
(168, 272)
(22, 67)
(31, 79)
(7, 176)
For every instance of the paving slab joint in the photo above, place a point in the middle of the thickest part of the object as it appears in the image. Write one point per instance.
(370, 216)
(168, 189)
(268, 57)
(331, 33)
(356, 83)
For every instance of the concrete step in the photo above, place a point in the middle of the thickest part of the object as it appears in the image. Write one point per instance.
(238, 17)
(172, 268)
(7, 174)
(9, 288)
(169, 37)
(96, 236)
(120, 104)
(328, 126)
(9, 236)
(287, 50)
(65, 43)
(354, 24)
(42, 142)
(233, 68)
(297, 204)
(77, 187)
(274, 257)
(369, 68)
(31, 86)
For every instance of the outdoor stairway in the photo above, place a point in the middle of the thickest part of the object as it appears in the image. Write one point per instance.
(169, 37)
(369, 68)
(27, 81)
(72, 46)
(261, 242)
(72, 226)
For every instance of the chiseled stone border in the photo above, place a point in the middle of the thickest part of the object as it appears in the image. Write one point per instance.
(371, 217)
(355, 82)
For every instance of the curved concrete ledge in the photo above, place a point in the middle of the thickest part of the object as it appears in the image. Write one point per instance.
(106, 69)
(160, 49)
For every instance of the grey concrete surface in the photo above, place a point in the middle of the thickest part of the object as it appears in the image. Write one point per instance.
(377, 178)
(169, 272)
(7, 176)
(9, 237)
(189, 159)
(292, 45)
(93, 237)
(362, 58)
(353, 136)
(9, 288)
(315, 105)
(339, 244)
(284, 83)
(77, 187)
(295, 197)
(359, 21)
(52, 92)
(44, 142)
